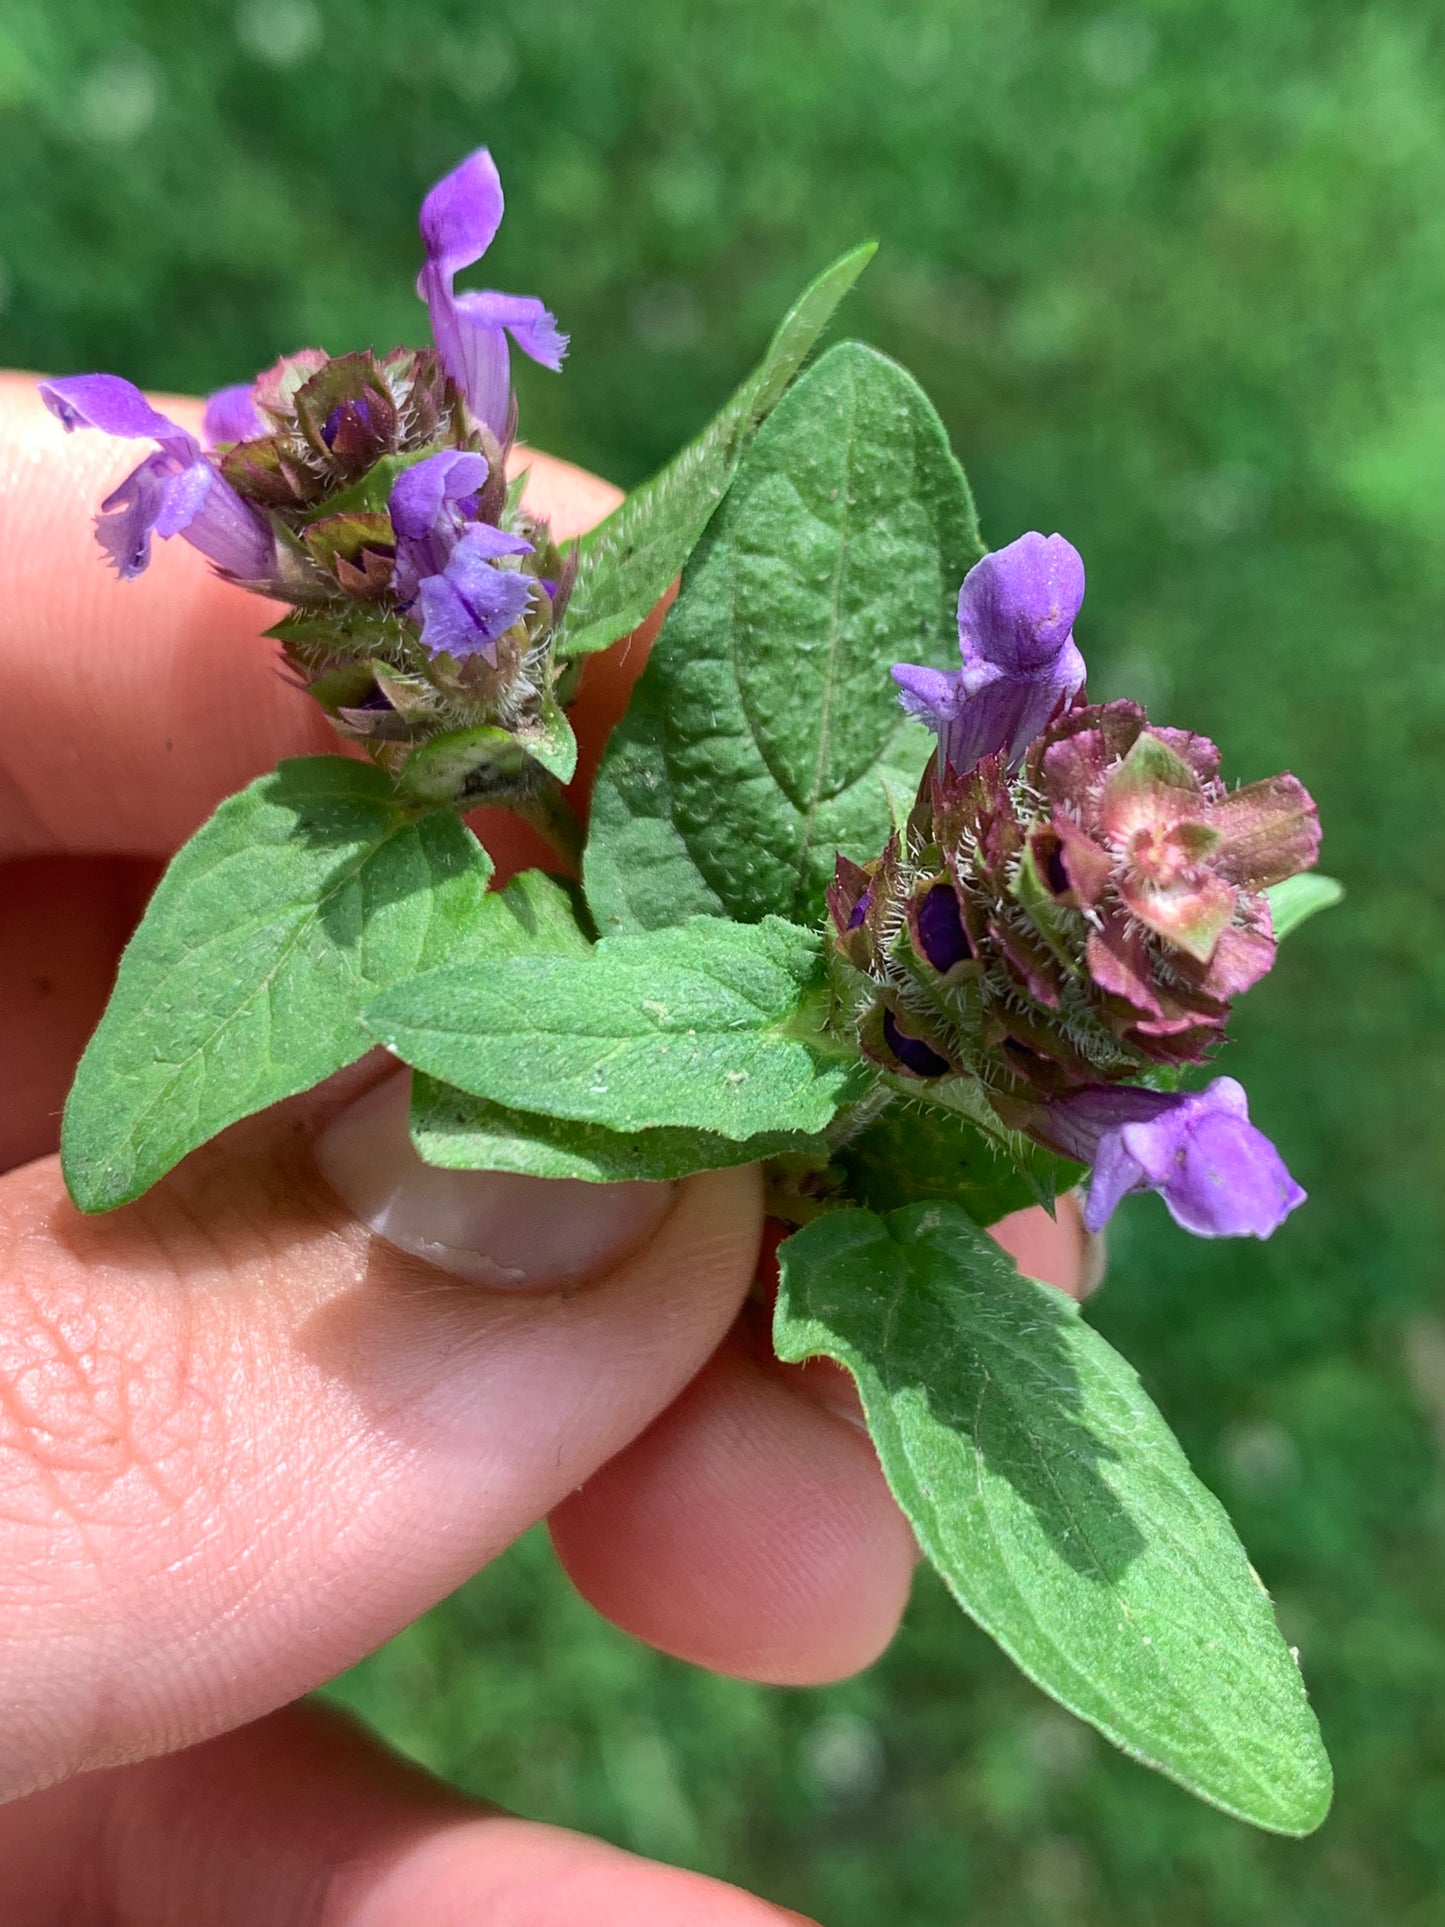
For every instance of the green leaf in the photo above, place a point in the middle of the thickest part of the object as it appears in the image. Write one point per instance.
(300, 899)
(628, 560)
(915, 1152)
(712, 1027)
(1056, 1503)
(538, 915)
(758, 738)
(1294, 901)
(464, 1133)
(535, 915)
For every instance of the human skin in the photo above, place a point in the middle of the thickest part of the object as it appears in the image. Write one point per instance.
(244, 1439)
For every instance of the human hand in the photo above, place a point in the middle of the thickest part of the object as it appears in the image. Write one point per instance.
(244, 1439)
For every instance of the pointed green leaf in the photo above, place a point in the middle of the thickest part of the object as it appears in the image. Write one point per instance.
(712, 1027)
(464, 1133)
(535, 915)
(628, 561)
(756, 742)
(538, 915)
(1056, 1503)
(284, 914)
(1294, 901)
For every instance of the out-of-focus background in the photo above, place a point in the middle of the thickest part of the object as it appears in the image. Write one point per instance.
(1174, 272)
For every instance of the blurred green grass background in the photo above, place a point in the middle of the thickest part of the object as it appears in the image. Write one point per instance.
(1174, 272)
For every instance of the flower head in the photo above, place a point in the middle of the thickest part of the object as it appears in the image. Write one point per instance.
(1218, 1175)
(459, 220)
(1016, 613)
(1067, 908)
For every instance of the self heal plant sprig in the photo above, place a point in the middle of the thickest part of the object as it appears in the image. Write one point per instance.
(871, 894)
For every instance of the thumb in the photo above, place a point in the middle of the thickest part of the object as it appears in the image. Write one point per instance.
(244, 1438)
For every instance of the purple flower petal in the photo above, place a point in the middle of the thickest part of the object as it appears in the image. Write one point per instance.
(1016, 612)
(530, 324)
(232, 415)
(115, 407)
(938, 927)
(421, 492)
(226, 529)
(461, 214)
(1017, 607)
(1217, 1174)
(912, 1052)
(458, 221)
(467, 608)
(128, 514)
(473, 354)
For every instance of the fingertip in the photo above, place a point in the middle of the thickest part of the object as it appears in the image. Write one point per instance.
(749, 1530)
(1057, 1250)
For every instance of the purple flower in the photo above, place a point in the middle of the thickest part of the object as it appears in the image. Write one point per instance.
(468, 607)
(1016, 613)
(175, 491)
(459, 219)
(447, 561)
(232, 415)
(1219, 1176)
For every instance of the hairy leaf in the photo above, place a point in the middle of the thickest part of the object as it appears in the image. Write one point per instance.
(628, 560)
(465, 1133)
(300, 899)
(1056, 1503)
(712, 1027)
(915, 1152)
(765, 733)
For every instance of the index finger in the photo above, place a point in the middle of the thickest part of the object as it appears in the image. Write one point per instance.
(142, 704)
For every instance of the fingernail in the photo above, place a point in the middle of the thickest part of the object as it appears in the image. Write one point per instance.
(490, 1227)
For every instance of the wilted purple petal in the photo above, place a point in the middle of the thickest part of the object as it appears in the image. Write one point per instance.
(1218, 1175)
(116, 407)
(231, 415)
(472, 603)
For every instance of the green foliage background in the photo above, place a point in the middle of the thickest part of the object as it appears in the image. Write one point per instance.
(1173, 272)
